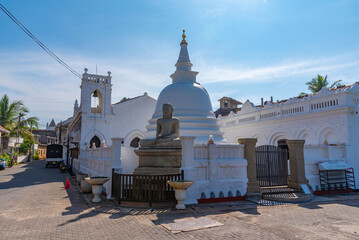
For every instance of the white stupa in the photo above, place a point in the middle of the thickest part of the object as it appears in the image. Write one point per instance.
(190, 101)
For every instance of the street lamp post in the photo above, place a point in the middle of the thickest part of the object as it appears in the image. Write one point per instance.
(68, 153)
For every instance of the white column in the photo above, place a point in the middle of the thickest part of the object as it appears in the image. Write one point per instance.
(115, 163)
(116, 154)
(188, 168)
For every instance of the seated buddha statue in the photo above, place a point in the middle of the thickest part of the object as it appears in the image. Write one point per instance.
(167, 134)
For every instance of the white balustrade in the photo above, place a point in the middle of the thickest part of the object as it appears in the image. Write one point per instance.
(215, 168)
(101, 161)
(322, 101)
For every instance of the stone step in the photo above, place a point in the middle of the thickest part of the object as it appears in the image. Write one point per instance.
(288, 197)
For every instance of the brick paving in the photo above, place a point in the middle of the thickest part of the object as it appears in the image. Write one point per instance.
(35, 205)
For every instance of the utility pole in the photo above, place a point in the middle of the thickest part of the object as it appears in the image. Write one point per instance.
(60, 133)
(68, 151)
(30, 144)
(18, 137)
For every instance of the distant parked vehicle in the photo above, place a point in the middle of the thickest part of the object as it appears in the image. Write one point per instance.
(54, 155)
(2, 163)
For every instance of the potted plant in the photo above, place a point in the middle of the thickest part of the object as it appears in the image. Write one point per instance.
(180, 191)
(80, 176)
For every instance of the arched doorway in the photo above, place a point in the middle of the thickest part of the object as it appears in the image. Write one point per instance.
(282, 144)
(135, 142)
(95, 140)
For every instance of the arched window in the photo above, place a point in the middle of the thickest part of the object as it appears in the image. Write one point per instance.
(95, 140)
(96, 102)
(135, 142)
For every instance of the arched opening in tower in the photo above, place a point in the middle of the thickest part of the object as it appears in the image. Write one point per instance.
(96, 101)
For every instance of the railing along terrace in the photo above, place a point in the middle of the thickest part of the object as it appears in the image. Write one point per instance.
(324, 104)
(293, 110)
(201, 152)
(224, 152)
(291, 107)
(229, 152)
(95, 161)
(92, 78)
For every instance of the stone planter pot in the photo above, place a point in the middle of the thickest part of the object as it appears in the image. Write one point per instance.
(85, 186)
(180, 192)
(80, 176)
(97, 183)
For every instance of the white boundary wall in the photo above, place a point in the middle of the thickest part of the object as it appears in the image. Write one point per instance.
(321, 153)
(213, 168)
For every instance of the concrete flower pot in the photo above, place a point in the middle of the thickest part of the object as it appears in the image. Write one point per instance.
(80, 176)
(180, 192)
(85, 186)
(97, 183)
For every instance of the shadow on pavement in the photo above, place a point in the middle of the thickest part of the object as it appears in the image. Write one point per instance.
(31, 173)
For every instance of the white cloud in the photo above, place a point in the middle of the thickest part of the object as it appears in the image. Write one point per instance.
(49, 90)
(210, 74)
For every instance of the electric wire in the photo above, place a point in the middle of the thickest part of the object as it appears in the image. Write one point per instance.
(46, 49)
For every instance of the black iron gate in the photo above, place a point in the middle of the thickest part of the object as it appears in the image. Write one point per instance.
(272, 166)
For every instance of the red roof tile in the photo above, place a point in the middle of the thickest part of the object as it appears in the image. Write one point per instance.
(2, 129)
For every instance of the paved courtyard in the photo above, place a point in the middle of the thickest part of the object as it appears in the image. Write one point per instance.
(35, 205)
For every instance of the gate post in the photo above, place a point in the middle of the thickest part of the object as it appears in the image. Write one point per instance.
(253, 188)
(297, 168)
(188, 168)
(114, 164)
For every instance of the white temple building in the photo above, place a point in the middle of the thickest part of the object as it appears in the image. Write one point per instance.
(106, 134)
(328, 122)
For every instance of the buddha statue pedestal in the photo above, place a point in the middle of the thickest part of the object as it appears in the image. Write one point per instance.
(159, 160)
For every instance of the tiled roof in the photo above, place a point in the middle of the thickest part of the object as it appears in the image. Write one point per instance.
(43, 135)
(2, 129)
(231, 99)
(126, 99)
(52, 123)
(225, 111)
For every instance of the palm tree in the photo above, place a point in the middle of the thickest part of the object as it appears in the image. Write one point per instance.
(9, 112)
(9, 118)
(319, 82)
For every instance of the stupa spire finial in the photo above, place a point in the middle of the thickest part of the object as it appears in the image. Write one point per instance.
(184, 37)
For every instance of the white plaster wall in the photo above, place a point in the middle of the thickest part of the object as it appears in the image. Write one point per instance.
(320, 153)
(353, 146)
(132, 116)
(314, 129)
(92, 125)
(129, 160)
(214, 169)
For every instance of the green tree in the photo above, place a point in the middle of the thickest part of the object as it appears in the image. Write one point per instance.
(9, 112)
(9, 118)
(316, 84)
(26, 145)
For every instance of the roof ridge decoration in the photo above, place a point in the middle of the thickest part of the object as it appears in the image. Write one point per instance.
(184, 37)
(248, 107)
(184, 71)
(324, 92)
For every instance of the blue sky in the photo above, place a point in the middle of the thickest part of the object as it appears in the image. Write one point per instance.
(242, 49)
